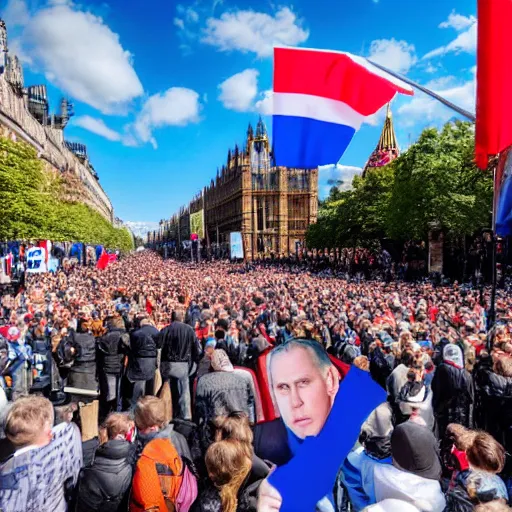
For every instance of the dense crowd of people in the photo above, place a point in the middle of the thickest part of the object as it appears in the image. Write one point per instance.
(162, 385)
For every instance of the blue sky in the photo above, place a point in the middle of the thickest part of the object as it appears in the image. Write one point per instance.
(163, 89)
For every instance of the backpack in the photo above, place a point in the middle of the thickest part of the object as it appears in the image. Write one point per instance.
(158, 478)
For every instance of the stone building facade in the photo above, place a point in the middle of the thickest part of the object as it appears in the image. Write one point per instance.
(271, 206)
(24, 116)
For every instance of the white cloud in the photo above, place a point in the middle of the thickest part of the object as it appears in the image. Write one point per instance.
(96, 126)
(424, 109)
(430, 68)
(81, 55)
(15, 13)
(464, 42)
(239, 91)
(175, 107)
(257, 32)
(331, 175)
(141, 228)
(192, 15)
(398, 56)
(458, 21)
(265, 105)
(187, 22)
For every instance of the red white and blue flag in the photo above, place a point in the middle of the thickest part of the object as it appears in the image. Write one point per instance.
(321, 98)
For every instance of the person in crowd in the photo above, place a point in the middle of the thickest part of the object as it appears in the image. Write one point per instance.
(205, 363)
(104, 484)
(228, 466)
(223, 391)
(82, 348)
(112, 347)
(151, 422)
(398, 377)
(476, 459)
(180, 352)
(415, 473)
(494, 391)
(39, 450)
(142, 360)
(356, 475)
(453, 392)
(20, 362)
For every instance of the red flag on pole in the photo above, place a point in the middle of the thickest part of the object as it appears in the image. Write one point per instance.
(494, 76)
(103, 261)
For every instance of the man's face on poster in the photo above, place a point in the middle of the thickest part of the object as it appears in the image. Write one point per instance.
(304, 392)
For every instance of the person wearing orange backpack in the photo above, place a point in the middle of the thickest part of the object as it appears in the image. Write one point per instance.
(162, 481)
(150, 420)
(164, 478)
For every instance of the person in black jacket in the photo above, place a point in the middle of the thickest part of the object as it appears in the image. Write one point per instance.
(111, 349)
(494, 384)
(81, 345)
(180, 350)
(142, 360)
(105, 483)
(453, 391)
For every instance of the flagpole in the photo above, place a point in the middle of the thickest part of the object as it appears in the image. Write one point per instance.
(492, 308)
(430, 93)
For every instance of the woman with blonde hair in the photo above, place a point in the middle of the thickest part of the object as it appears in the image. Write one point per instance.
(228, 469)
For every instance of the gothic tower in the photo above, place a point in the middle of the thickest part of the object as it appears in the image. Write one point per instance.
(260, 150)
(387, 148)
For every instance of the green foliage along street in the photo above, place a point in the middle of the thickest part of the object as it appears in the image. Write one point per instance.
(435, 180)
(36, 205)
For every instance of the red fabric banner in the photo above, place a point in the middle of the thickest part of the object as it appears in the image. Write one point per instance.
(494, 76)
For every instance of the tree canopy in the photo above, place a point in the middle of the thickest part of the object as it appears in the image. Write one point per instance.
(34, 206)
(434, 181)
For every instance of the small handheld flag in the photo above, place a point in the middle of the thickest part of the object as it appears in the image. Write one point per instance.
(321, 98)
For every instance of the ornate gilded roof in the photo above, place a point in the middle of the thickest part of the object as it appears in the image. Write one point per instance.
(387, 148)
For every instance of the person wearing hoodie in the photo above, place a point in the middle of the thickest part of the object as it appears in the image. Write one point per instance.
(356, 475)
(104, 484)
(223, 391)
(453, 392)
(415, 471)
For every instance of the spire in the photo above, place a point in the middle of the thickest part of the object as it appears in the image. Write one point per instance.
(387, 147)
(387, 137)
(261, 130)
(250, 132)
(237, 155)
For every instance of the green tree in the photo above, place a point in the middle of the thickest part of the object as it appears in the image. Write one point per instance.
(436, 181)
(32, 206)
(355, 217)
